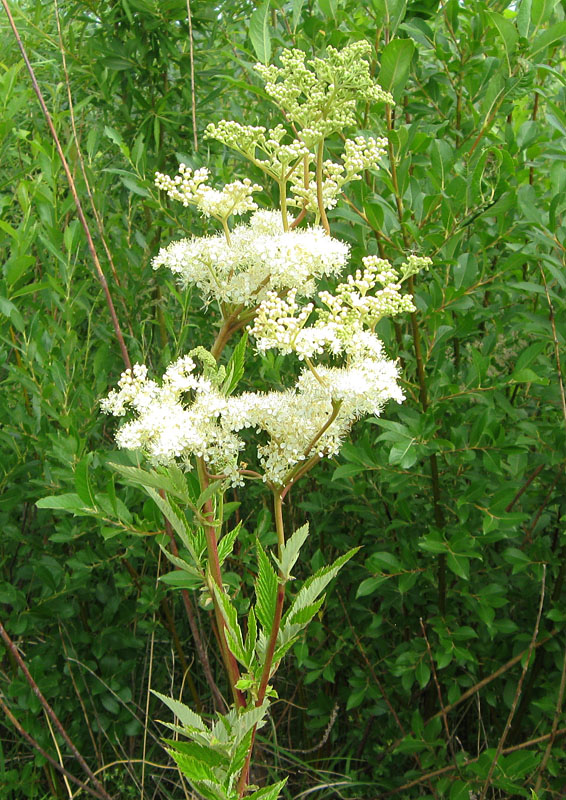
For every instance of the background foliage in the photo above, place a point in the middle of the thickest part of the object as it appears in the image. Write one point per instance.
(438, 667)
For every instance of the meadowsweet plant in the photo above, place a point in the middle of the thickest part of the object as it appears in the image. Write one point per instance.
(197, 431)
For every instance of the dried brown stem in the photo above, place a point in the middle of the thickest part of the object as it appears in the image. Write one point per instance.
(514, 704)
(192, 67)
(449, 737)
(17, 725)
(13, 650)
(554, 730)
(73, 188)
(444, 770)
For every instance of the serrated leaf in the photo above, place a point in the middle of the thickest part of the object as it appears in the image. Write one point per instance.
(251, 638)
(233, 631)
(265, 590)
(304, 615)
(282, 649)
(250, 718)
(154, 480)
(207, 494)
(240, 753)
(290, 551)
(235, 367)
(268, 792)
(181, 564)
(184, 713)
(259, 33)
(175, 516)
(199, 752)
(315, 585)
(226, 544)
(193, 769)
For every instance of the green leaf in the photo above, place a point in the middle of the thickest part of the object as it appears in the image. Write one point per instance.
(175, 516)
(304, 615)
(291, 551)
(65, 502)
(508, 33)
(422, 674)
(369, 585)
(82, 482)
(181, 564)
(547, 38)
(526, 375)
(259, 32)
(268, 792)
(226, 544)
(459, 564)
(251, 638)
(181, 580)
(297, 8)
(266, 590)
(193, 769)
(328, 8)
(315, 585)
(395, 65)
(403, 453)
(133, 185)
(185, 715)
(200, 752)
(383, 560)
(235, 367)
(233, 631)
(524, 17)
(151, 479)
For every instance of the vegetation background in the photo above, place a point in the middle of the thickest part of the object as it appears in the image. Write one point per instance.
(438, 668)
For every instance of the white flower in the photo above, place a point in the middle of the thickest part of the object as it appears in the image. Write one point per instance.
(293, 419)
(260, 257)
(190, 188)
(167, 427)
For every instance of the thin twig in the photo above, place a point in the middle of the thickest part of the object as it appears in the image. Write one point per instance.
(556, 344)
(17, 725)
(444, 770)
(380, 685)
(83, 169)
(53, 716)
(501, 743)
(524, 487)
(554, 730)
(192, 68)
(449, 737)
(73, 188)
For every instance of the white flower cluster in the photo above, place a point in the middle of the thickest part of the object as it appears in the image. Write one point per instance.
(165, 427)
(321, 94)
(248, 139)
(168, 427)
(359, 154)
(190, 188)
(294, 418)
(260, 257)
(280, 323)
